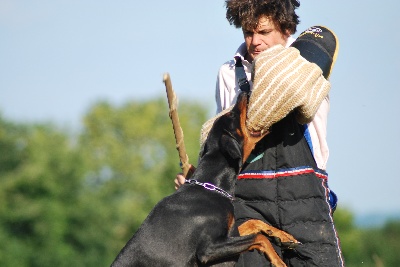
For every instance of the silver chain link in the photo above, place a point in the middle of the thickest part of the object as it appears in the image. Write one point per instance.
(210, 187)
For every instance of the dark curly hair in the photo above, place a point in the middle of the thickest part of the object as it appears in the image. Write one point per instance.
(246, 13)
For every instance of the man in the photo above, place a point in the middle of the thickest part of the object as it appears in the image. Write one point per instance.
(273, 186)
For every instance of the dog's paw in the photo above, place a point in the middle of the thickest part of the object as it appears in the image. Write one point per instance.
(291, 244)
(285, 240)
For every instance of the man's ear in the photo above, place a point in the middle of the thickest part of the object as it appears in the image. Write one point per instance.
(230, 147)
(287, 34)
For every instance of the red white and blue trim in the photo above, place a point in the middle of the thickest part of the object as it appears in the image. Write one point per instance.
(272, 174)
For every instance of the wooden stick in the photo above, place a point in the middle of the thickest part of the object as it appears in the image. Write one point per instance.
(173, 114)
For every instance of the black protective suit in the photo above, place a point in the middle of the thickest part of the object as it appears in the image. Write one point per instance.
(283, 187)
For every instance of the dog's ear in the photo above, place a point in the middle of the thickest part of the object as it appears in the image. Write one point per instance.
(230, 147)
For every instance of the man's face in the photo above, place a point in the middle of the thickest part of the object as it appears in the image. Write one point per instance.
(265, 36)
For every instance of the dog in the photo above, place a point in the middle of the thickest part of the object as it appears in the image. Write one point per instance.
(195, 226)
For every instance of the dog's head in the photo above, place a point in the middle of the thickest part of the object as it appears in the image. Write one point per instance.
(230, 136)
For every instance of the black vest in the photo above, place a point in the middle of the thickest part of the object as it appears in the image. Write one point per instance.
(283, 187)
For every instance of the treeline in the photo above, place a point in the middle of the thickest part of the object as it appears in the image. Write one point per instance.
(74, 200)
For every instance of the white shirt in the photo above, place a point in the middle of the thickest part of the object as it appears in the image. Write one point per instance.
(227, 90)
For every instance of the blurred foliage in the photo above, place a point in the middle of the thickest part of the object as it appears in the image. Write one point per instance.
(368, 247)
(75, 201)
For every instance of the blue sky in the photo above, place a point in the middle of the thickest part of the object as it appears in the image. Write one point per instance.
(59, 57)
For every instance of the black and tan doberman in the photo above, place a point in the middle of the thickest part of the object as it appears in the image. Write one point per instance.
(195, 225)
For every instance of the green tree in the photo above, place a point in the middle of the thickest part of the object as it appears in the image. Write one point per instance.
(75, 202)
(40, 194)
(369, 247)
(350, 237)
(133, 159)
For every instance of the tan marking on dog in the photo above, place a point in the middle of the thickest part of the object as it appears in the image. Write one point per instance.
(250, 139)
(262, 244)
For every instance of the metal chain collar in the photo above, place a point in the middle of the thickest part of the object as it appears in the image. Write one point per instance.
(210, 187)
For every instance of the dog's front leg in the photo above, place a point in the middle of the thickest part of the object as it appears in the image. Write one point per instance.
(215, 251)
(257, 226)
